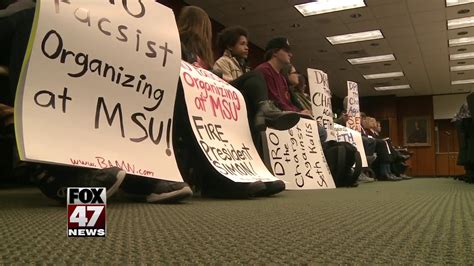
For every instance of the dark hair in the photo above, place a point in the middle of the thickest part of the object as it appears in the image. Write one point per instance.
(301, 83)
(269, 54)
(195, 31)
(229, 36)
(285, 71)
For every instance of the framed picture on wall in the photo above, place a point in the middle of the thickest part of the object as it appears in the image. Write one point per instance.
(417, 131)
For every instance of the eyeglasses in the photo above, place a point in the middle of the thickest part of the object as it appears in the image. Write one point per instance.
(294, 72)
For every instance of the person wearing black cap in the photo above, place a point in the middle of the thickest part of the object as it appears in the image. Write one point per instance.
(278, 55)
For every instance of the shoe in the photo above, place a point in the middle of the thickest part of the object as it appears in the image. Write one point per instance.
(110, 178)
(55, 187)
(392, 177)
(232, 190)
(396, 178)
(272, 188)
(389, 178)
(169, 192)
(364, 179)
(405, 177)
(268, 115)
(255, 188)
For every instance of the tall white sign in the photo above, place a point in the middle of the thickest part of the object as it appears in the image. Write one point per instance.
(353, 109)
(98, 86)
(353, 137)
(296, 157)
(321, 100)
(218, 117)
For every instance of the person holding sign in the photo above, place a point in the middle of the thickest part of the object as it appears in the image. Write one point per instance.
(297, 84)
(233, 66)
(196, 35)
(369, 143)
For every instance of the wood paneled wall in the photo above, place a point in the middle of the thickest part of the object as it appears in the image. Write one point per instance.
(423, 161)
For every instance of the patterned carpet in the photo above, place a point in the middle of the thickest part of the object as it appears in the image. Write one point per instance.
(422, 221)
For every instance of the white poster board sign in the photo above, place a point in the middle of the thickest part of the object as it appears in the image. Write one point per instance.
(353, 109)
(321, 100)
(218, 117)
(297, 157)
(353, 137)
(98, 86)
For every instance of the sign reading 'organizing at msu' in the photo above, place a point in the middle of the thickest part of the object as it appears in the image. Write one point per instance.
(86, 212)
(218, 118)
(98, 86)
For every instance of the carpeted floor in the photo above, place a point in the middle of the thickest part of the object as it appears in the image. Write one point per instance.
(422, 221)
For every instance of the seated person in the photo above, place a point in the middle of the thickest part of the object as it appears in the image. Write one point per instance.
(196, 34)
(232, 64)
(369, 144)
(261, 112)
(53, 180)
(382, 165)
(277, 56)
(297, 85)
(397, 167)
(343, 117)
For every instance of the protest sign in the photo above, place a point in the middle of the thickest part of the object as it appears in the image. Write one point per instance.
(296, 157)
(218, 117)
(353, 137)
(321, 100)
(98, 86)
(353, 109)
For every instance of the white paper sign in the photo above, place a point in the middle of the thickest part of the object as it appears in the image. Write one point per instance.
(321, 100)
(353, 110)
(353, 137)
(99, 86)
(297, 157)
(218, 117)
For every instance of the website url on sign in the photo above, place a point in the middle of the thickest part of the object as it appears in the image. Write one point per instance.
(101, 162)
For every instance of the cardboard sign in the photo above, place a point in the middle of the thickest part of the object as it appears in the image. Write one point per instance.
(98, 86)
(218, 117)
(321, 100)
(353, 137)
(353, 110)
(297, 157)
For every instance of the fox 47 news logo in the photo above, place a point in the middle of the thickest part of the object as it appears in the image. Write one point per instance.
(86, 212)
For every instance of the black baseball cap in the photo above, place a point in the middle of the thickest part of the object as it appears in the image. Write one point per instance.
(278, 43)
